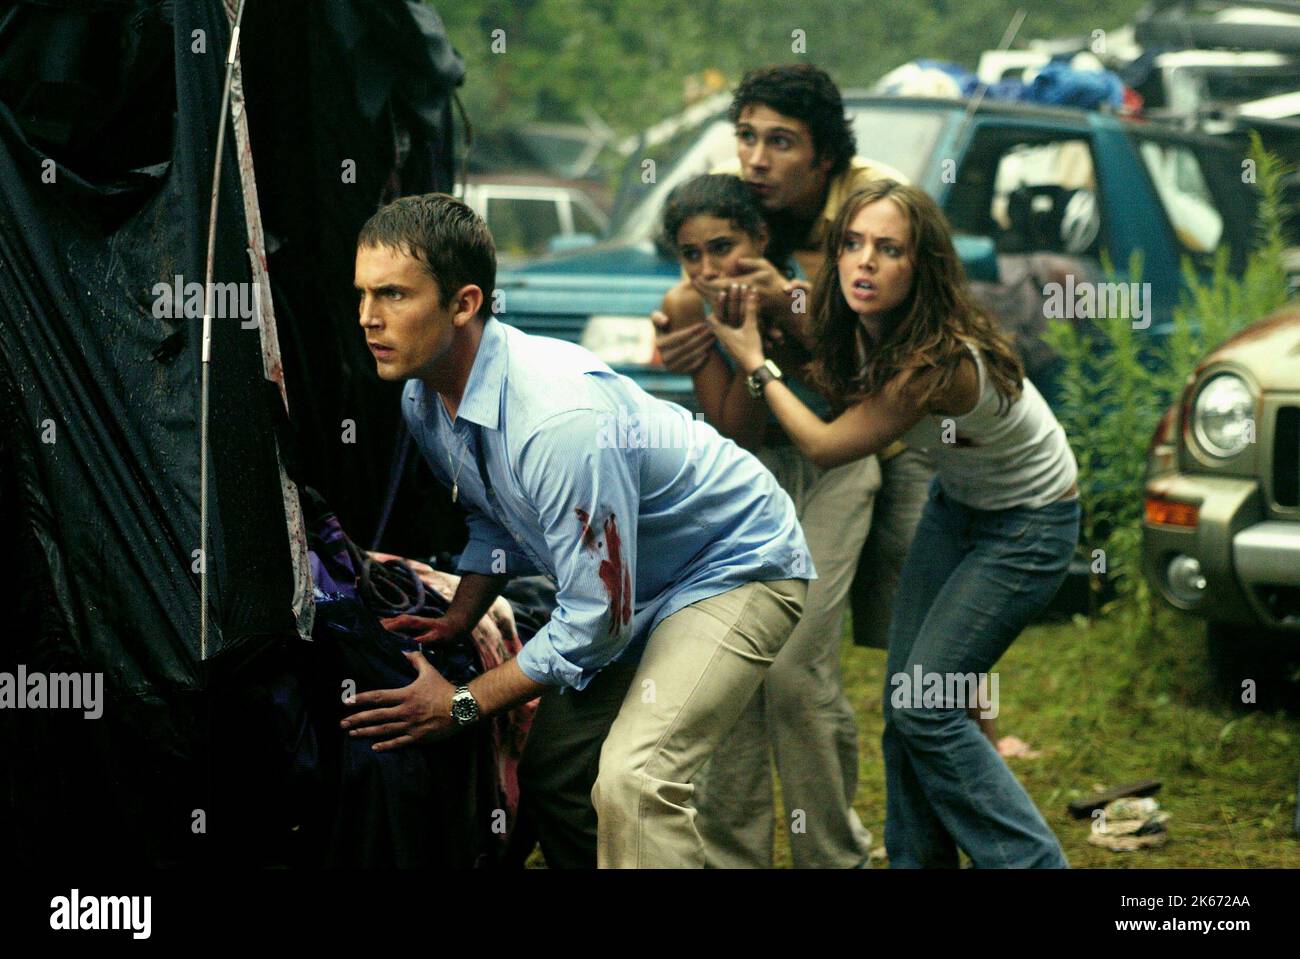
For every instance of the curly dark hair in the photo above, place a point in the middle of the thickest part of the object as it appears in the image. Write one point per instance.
(806, 93)
(711, 194)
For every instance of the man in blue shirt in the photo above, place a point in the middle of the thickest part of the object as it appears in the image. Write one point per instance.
(671, 547)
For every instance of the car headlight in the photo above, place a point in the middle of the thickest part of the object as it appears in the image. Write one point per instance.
(1224, 415)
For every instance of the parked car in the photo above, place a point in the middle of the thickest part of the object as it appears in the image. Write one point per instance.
(530, 215)
(1016, 181)
(1013, 179)
(1222, 517)
(1179, 84)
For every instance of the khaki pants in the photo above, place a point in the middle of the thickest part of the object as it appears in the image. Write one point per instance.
(800, 713)
(904, 488)
(700, 668)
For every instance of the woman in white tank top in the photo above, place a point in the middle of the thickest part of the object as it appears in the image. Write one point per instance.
(910, 355)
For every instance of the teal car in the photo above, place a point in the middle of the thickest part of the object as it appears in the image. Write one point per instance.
(1016, 181)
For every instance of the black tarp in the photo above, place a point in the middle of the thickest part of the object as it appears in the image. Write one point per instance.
(338, 81)
(108, 122)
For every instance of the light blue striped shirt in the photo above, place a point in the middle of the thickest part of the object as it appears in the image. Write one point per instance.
(632, 506)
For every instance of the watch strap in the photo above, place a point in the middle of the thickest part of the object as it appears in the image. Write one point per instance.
(761, 377)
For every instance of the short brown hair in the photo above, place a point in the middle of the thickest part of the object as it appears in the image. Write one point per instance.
(445, 235)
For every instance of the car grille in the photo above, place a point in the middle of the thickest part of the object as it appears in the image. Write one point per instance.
(1286, 457)
(560, 327)
(1281, 602)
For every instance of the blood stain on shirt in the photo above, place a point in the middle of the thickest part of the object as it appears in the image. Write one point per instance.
(588, 537)
(616, 577)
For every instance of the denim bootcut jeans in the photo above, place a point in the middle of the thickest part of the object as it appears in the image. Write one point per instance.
(972, 581)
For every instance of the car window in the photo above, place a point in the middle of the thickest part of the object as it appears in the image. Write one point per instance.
(1031, 194)
(522, 227)
(1241, 84)
(1179, 180)
(584, 222)
(904, 139)
(713, 146)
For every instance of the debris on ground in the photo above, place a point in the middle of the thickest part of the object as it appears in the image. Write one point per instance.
(1085, 807)
(1013, 747)
(1129, 824)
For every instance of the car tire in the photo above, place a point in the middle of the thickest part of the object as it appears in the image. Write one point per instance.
(1254, 666)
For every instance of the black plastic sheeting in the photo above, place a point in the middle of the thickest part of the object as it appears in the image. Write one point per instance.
(329, 82)
(108, 121)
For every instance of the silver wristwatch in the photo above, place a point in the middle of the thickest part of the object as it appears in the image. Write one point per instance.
(464, 707)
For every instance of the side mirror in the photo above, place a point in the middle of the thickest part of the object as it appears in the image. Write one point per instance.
(979, 256)
(562, 243)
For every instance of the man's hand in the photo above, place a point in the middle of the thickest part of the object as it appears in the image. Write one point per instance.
(795, 319)
(783, 305)
(759, 275)
(422, 629)
(497, 628)
(683, 351)
(414, 713)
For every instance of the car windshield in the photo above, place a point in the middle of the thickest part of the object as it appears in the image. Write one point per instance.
(902, 138)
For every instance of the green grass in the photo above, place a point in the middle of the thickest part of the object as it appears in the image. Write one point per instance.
(1107, 703)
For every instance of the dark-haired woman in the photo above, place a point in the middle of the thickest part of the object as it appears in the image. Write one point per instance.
(900, 340)
(800, 716)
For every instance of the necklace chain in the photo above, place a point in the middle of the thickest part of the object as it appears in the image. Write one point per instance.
(455, 479)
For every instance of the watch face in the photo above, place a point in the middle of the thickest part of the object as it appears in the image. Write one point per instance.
(464, 709)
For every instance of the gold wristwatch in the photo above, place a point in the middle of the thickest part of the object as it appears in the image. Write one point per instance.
(761, 377)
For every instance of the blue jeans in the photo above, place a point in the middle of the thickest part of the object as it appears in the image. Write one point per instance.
(972, 580)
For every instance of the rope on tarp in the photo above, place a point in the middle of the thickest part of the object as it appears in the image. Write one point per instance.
(207, 336)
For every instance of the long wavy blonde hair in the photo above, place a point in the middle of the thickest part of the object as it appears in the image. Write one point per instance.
(929, 329)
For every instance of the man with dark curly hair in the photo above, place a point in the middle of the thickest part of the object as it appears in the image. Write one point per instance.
(795, 154)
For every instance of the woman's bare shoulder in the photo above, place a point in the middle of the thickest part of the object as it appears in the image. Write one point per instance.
(683, 305)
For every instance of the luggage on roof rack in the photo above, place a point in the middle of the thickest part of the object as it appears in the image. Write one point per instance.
(1177, 26)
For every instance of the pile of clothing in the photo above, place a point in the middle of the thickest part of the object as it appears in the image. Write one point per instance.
(1129, 824)
(447, 804)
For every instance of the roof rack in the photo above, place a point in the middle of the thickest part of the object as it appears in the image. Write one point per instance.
(1188, 24)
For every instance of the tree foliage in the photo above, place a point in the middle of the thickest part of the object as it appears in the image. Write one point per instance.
(628, 61)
